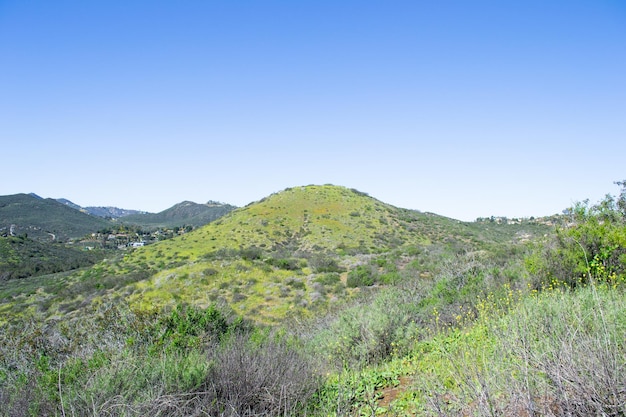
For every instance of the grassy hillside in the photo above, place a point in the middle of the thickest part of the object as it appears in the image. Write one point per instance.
(333, 220)
(293, 253)
(45, 219)
(319, 300)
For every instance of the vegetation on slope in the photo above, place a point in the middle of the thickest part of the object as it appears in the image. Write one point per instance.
(22, 257)
(36, 234)
(544, 340)
(45, 219)
(443, 318)
(298, 251)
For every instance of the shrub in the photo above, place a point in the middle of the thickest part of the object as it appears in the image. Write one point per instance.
(574, 347)
(361, 276)
(558, 353)
(591, 246)
(295, 283)
(289, 264)
(190, 326)
(210, 272)
(367, 332)
(390, 278)
(330, 278)
(25, 399)
(269, 379)
(190, 361)
(251, 253)
(324, 264)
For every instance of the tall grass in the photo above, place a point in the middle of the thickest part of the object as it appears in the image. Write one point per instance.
(557, 353)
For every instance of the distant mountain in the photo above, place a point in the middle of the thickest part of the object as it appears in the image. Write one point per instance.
(45, 219)
(186, 213)
(112, 212)
(105, 212)
(67, 203)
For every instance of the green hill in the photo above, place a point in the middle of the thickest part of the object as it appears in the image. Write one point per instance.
(294, 252)
(333, 220)
(45, 219)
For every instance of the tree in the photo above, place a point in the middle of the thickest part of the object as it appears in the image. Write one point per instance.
(591, 246)
(621, 201)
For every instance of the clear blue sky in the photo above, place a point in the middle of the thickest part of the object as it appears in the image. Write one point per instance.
(462, 108)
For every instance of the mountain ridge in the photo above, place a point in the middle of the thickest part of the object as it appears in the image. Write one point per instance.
(45, 218)
(110, 212)
(60, 219)
(185, 213)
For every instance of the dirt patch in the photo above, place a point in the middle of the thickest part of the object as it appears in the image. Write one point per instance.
(389, 394)
(344, 278)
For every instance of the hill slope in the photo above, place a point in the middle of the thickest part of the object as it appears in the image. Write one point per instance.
(453, 316)
(329, 219)
(267, 259)
(23, 257)
(293, 252)
(45, 219)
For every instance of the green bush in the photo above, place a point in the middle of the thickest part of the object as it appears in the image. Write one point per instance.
(362, 276)
(390, 278)
(251, 253)
(591, 245)
(188, 361)
(366, 332)
(330, 278)
(189, 326)
(289, 264)
(322, 263)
